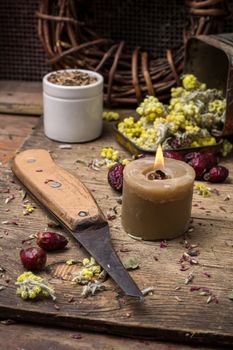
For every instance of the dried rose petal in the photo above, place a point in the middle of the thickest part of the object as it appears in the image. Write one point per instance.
(173, 155)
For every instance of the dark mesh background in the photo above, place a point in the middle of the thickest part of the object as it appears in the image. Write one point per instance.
(21, 53)
(154, 25)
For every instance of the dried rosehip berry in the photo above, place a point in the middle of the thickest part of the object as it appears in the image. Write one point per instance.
(199, 165)
(217, 174)
(51, 241)
(33, 258)
(189, 156)
(115, 177)
(173, 155)
(210, 159)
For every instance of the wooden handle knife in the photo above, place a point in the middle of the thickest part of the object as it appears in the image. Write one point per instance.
(66, 197)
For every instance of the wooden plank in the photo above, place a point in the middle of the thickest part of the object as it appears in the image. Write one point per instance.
(13, 131)
(15, 337)
(20, 97)
(173, 312)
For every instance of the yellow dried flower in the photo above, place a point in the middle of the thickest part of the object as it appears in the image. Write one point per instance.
(190, 82)
(86, 261)
(70, 262)
(202, 189)
(110, 115)
(226, 148)
(125, 161)
(29, 208)
(30, 286)
(110, 153)
(87, 274)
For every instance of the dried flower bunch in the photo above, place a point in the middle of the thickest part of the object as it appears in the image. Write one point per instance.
(190, 120)
(71, 78)
(31, 286)
(129, 75)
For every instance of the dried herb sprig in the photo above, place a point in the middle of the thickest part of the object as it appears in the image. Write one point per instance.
(30, 286)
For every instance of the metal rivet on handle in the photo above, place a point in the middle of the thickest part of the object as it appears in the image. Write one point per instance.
(31, 160)
(54, 184)
(82, 213)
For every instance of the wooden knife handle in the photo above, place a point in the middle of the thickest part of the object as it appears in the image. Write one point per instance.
(59, 191)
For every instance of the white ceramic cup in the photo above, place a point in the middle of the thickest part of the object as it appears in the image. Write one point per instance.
(73, 113)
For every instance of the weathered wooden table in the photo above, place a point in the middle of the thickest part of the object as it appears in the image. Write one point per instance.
(175, 312)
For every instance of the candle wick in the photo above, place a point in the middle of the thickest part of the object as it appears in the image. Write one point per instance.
(161, 175)
(157, 175)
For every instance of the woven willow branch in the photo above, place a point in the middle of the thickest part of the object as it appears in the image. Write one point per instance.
(128, 76)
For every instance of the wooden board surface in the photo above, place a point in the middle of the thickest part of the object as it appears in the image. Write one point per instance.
(20, 97)
(173, 312)
(13, 132)
(32, 337)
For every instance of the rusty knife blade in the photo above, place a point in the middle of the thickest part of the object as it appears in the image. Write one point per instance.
(97, 242)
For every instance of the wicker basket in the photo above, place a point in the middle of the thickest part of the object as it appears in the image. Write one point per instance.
(66, 31)
(143, 64)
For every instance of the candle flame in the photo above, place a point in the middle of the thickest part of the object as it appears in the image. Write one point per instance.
(159, 159)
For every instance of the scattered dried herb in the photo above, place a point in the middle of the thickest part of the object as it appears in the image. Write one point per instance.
(23, 194)
(119, 200)
(202, 189)
(80, 161)
(163, 244)
(178, 288)
(91, 288)
(207, 274)
(53, 224)
(71, 262)
(5, 190)
(10, 222)
(148, 290)
(7, 322)
(131, 264)
(76, 336)
(216, 191)
(178, 299)
(125, 250)
(2, 271)
(65, 146)
(30, 238)
(71, 78)
(194, 288)
(56, 307)
(9, 199)
(189, 278)
(29, 208)
(230, 295)
(96, 164)
(223, 209)
(111, 214)
(193, 252)
(205, 292)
